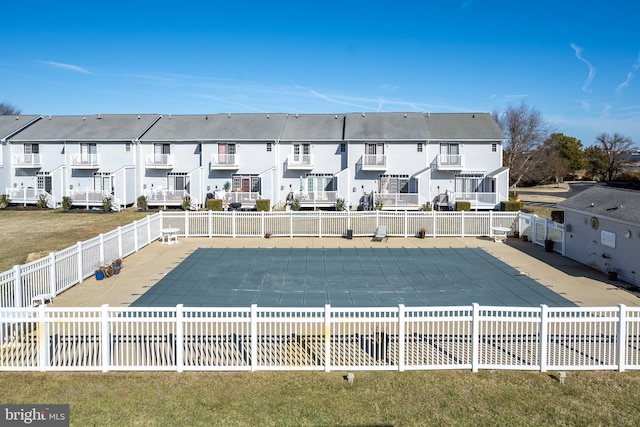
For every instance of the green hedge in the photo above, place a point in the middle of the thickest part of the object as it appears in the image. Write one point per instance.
(463, 206)
(263, 205)
(214, 205)
(510, 206)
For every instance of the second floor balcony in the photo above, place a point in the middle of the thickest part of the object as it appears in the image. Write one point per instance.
(374, 162)
(24, 160)
(159, 161)
(224, 161)
(299, 161)
(450, 162)
(84, 161)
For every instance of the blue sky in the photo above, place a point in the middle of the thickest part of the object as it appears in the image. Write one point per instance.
(579, 64)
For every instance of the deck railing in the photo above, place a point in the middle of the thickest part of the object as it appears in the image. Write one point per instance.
(323, 338)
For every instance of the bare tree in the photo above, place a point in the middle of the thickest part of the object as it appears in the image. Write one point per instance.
(526, 130)
(617, 149)
(7, 109)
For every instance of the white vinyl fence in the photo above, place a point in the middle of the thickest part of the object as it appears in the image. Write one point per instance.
(59, 271)
(324, 338)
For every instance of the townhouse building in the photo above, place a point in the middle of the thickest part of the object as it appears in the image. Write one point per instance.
(390, 161)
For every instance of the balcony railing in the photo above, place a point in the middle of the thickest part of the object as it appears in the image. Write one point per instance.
(88, 197)
(27, 195)
(374, 162)
(410, 201)
(299, 161)
(450, 162)
(163, 197)
(478, 199)
(241, 199)
(225, 161)
(84, 160)
(317, 198)
(26, 160)
(159, 160)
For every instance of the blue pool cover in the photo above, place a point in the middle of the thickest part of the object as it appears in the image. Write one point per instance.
(353, 277)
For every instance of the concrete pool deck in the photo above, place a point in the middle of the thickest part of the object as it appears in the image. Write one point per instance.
(578, 283)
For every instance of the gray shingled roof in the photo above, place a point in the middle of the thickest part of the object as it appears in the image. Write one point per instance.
(217, 127)
(313, 127)
(385, 126)
(11, 124)
(615, 203)
(98, 127)
(463, 126)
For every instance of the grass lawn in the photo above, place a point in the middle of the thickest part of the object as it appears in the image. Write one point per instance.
(430, 398)
(445, 398)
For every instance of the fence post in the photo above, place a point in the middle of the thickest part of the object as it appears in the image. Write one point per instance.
(475, 337)
(210, 223)
(544, 333)
(233, 224)
(43, 338)
(80, 262)
(461, 223)
(105, 341)
(186, 223)
(52, 275)
(401, 341)
(254, 337)
(17, 286)
(406, 224)
(327, 337)
(319, 224)
(179, 337)
(290, 223)
(622, 338)
(119, 242)
(101, 248)
(263, 231)
(433, 222)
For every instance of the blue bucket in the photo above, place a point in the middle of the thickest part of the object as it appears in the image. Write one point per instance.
(99, 275)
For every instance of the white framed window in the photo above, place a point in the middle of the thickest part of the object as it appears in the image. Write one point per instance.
(420, 147)
(494, 147)
(343, 147)
(269, 147)
(393, 184)
(245, 183)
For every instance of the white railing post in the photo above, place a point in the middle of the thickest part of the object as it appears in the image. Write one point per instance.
(319, 224)
(105, 338)
(254, 337)
(544, 337)
(290, 223)
(377, 218)
(80, 262)
(433, 222)
(186, 223)
(475, 337)
(263, 230)
(401, 340)
(622, 338)
(43, 338)
(119, 242)
(406, 224)
(52, 275)
(148, 223)
(210, 223)
(179, 337)
(233, 223)
(327, 337)
(101, 248)
(17, 286)
(461, 223)
(491, 225)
